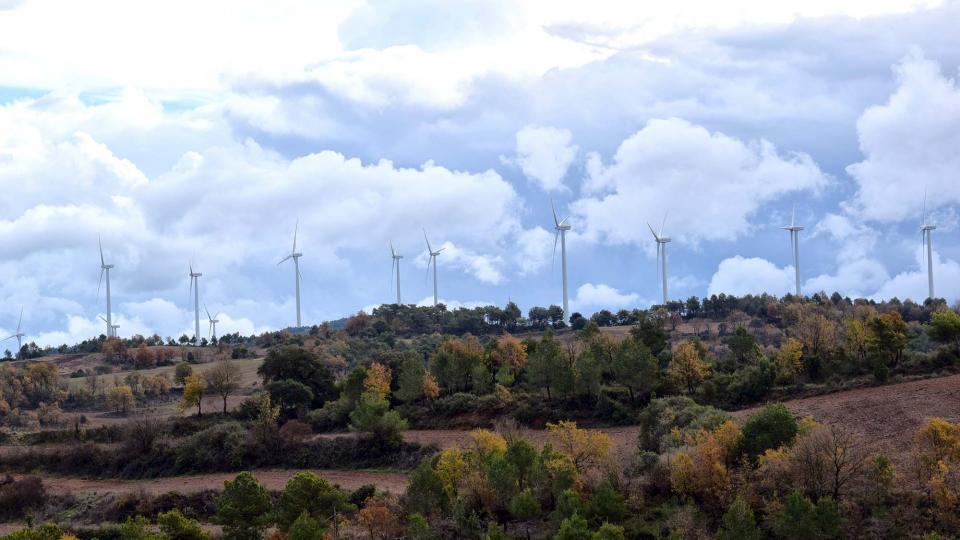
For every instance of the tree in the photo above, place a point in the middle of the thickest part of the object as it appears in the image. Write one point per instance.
(143, 358)
(244, 508)
(410, 380)
(545, 367)
(120, 398)
(525, 506)
(574, 528)
(379, 520)
(307, 493)
(181, 372)
(306, 527)
(378, 380)
(609, 531)
(887, 338)
(606, 504)
(743, 345)
(302, 365)
(585, 448)
(739, 523)
(945, 327)
(290, 395)
(193, 390)
(771, 427)
(634, 367)
(789, 360)
(223, 379)
(826, 459)
(686, 368)
(373, 415)
(175, 526)
(800, 519)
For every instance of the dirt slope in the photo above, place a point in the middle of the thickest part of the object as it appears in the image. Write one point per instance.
(271, 479)
(885, 417)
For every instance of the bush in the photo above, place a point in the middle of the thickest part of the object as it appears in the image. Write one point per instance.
(739, 523)
(333, 415)
(175, 526)
(771, 428)
(217, 448)
(244, 508)
(362, 493)
(307, 493)
(800, 519)
(659, 420)
(17, 497)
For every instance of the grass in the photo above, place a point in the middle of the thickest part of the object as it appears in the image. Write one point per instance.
(248, 373)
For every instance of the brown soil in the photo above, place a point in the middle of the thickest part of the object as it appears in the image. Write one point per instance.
(884, 417)
(271, 479)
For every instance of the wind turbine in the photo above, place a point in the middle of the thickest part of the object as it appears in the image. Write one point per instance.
(111, 328)
(295, 255)
(19, 335)
(926, 230)
(396, 265)
(213, 323)
(105, 269)
(662, 242)
(433, 261)
(561, 227)
(195, 292)
(795, 245)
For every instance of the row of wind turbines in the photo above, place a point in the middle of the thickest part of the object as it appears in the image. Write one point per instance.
(561, 227)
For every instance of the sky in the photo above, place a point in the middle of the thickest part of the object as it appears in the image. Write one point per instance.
(202, 133)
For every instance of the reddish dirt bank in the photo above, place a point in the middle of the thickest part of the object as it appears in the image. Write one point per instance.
(271, 479)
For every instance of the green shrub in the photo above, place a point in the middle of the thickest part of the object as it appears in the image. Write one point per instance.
(800, 519)
(175, 526)
(306, 528)
(606, 504)
(664, 415)
(244, 508)
(771, 427)
(739, 523)
(307, 493)
(574, 528)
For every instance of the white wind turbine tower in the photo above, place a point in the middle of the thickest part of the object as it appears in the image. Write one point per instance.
(396, 265)
(433, 261)
(926, 229)
(561, 227)
(111, 328)
(105, 269)
(795, 246)
(213, 323)
(18, 335)
(662, 242)
(295, 255)
(195, 292)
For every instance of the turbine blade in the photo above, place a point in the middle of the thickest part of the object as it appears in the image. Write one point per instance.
(208, 312)
(654, 233)
(553, 260)
(295, 229)
(556, 222)
(430, 260)
(430, 249)
(102, 318)
(102, 270)
(793, 214)
(100, 243)
(285, 259)
(20, 320)
(662, 223)
(393, 252)
(440, 250)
